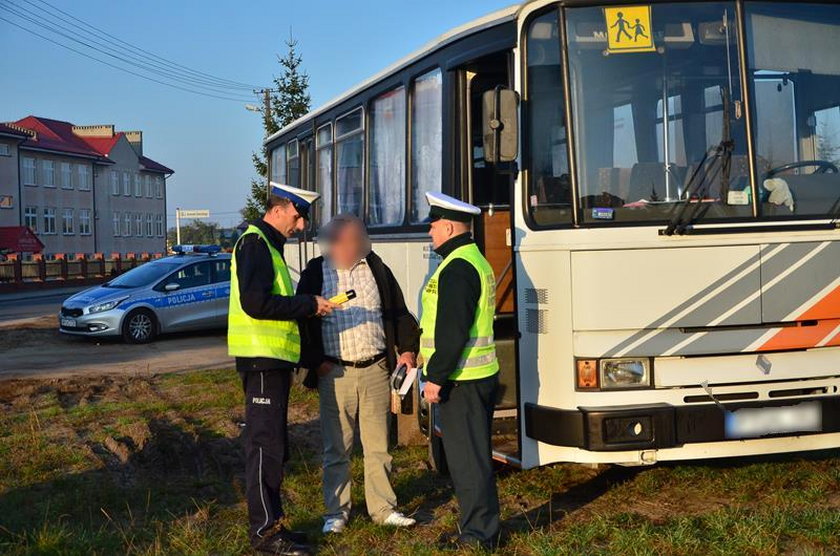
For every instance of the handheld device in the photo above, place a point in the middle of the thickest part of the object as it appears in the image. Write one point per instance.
(343, 297)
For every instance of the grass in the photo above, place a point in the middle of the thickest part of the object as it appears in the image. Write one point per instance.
(153, 466)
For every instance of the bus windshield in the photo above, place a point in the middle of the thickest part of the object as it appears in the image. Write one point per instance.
(659, 117)
(653, 92)
(794, 68)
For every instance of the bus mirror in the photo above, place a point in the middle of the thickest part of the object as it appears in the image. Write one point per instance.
(500, 126)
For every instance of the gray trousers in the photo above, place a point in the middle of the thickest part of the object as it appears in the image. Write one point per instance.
(350, 396)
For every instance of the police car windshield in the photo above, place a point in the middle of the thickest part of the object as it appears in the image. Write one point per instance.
(143, 275)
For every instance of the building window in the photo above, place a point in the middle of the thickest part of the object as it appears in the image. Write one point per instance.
(30, 218)
(159, 187)
(115, 183)
(126, 232)
(48, 173)
(126, 184)
(159, 225)
(116, 221)
(67, 222)
(49, 221)
(138, 187)
(5, 149)
(84, 177)
(84, 222)
(148, 181)
(350, 154)
(149, 225)
(426, 141)
(138, 225)
(66, 175)
(386, 204)
(324, 173)
(278, 164)
(28, 165)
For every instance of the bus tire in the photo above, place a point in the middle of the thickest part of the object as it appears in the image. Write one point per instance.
(139, 327)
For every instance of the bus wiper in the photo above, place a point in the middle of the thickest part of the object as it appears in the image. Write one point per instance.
(699, 181)
(723, 153)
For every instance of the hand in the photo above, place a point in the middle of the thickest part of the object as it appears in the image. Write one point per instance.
(324, 306)
(408, 359)
(324, 369)
(431, 392)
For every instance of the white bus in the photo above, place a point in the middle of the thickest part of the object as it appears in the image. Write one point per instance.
(659, 189)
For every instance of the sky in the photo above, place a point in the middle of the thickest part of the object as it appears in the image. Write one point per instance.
(209, 141)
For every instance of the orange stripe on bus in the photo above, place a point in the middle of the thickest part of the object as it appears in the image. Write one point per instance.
(826, 308)
(826, 311)
(800, 336)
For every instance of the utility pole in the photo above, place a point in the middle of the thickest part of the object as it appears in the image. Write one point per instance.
(177, 226)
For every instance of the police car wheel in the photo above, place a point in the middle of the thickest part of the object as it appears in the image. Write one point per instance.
(139, 327)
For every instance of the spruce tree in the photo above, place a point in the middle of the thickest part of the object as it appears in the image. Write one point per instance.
(288, 101)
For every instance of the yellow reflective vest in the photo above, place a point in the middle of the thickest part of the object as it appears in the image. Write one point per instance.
(478, 359)
(250, 337)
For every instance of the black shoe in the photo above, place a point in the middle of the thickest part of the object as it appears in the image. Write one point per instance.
(456, 541)
(281, 544)
(298, 537)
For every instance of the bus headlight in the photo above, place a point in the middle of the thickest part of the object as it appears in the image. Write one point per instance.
(624, 373)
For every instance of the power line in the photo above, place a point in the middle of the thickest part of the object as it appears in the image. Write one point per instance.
(58, 31)
(129, 46)
(126, 70)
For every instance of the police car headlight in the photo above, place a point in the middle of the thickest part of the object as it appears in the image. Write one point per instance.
(107, 306)
(625, 372)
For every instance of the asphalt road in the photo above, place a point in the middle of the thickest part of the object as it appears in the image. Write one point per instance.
(33, 304)
(31, 345)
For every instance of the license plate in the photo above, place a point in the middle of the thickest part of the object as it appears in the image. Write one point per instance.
(756, 422)
(68, 323)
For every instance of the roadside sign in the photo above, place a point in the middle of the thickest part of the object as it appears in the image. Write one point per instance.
(193, 213)
(629, 29)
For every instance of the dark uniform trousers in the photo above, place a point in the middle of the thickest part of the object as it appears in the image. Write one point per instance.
(266, 445)
(466, 415)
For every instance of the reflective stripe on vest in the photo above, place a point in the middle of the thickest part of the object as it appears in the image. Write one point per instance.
(250, 337)
(478, 360)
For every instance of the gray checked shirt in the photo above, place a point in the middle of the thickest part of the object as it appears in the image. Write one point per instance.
(353, 332)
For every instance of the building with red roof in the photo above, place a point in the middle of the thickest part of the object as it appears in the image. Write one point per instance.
(82, 189)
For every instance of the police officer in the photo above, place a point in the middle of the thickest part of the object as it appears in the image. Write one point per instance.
(461, 370)
(263, 336)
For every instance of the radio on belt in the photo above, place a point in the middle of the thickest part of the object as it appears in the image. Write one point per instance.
(343, 297)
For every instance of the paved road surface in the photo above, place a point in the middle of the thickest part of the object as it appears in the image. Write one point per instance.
(33, 304)
(30, 344)
(36, 349)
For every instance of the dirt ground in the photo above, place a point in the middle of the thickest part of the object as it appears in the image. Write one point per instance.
(151, 465)
(34, 347)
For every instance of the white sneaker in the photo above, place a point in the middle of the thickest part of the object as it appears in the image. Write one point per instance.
(396, 519)
(334, 525)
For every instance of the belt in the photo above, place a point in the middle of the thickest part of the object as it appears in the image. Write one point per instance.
(356, 364)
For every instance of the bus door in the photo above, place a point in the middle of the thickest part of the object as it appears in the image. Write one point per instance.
(485, 186)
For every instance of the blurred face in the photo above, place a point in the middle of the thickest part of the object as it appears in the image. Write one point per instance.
(285, 219)
(345, 249)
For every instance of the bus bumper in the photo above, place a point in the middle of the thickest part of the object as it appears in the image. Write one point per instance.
(656, 426)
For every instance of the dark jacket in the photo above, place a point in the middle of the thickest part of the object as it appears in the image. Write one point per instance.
(401, 330)
(255, 273)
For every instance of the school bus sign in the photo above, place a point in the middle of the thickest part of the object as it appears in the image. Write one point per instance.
(629, 29)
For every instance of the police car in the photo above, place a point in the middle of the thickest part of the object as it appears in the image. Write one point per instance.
(185, 291)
